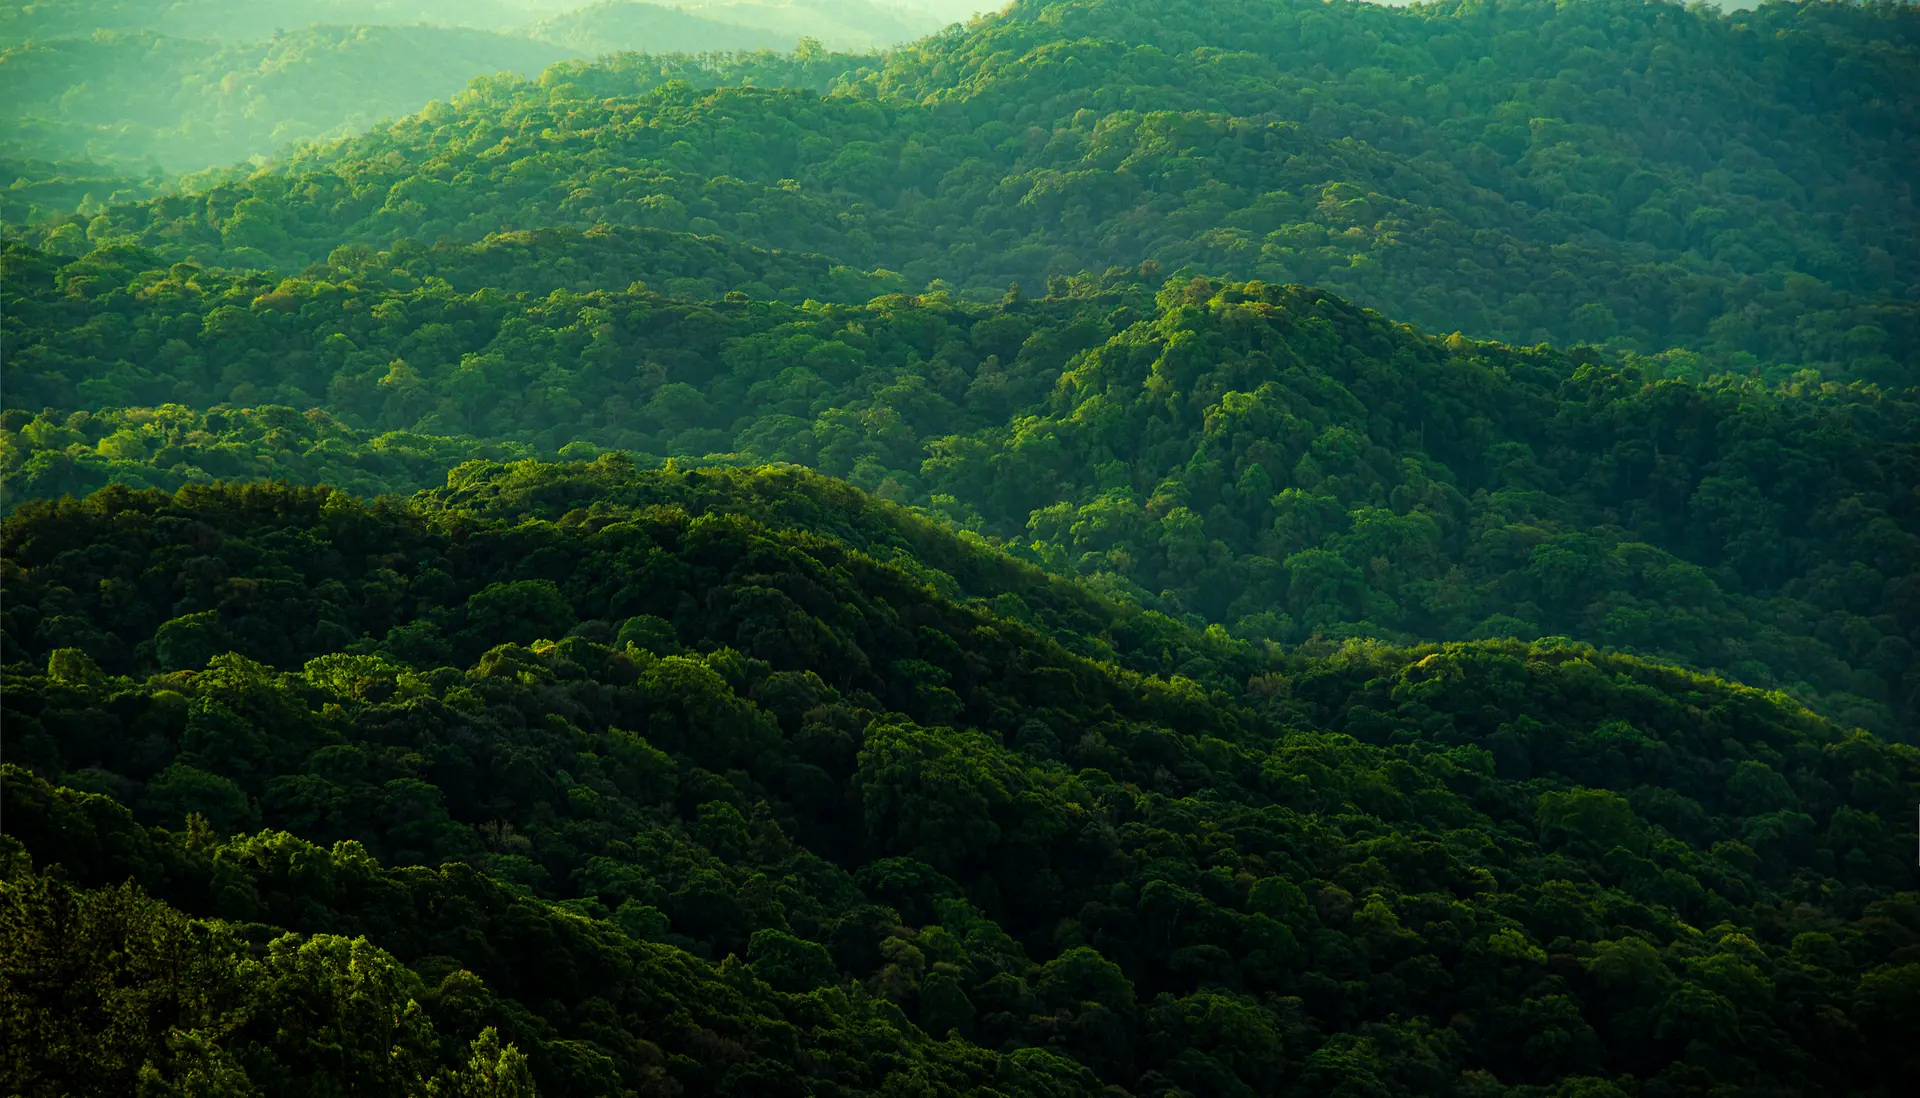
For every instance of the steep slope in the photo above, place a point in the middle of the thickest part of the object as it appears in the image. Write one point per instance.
(774, 816)
(1616, 170)
(1268, 458)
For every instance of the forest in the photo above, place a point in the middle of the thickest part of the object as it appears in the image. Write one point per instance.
(685, 791)
(1518, 172)
(1265, 458)
(1126, 548)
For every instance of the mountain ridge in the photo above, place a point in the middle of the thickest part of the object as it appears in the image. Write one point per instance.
(1270, 459)
(1597, 238)
(1004, 566)
(784, 819)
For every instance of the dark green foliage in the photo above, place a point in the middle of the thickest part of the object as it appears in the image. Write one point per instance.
(677, 264)
(819, 833)
(171, 446)
(1190, 687)
(1268, 458)
(111, 992)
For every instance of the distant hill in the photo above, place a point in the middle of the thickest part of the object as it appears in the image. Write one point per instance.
(617, 25)
(186, 87)
(251, 20)
(840, 24)
(141, 99)
(1271, 459)
(1488, 170)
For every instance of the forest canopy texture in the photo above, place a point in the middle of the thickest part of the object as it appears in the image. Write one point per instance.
(693, 779)
(1132, 549)
(1608, 170)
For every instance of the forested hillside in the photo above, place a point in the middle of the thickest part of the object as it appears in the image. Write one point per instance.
(37, 190)
(1267, 458)
(670, 799)
(1612, 170)
(1126, 549)
(182, 88)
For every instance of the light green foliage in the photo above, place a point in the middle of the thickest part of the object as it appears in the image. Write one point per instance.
(139, 99)
(1645, 176)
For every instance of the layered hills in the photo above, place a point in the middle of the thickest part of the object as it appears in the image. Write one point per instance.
(141, 99)
(1139, 550)
(631, 782)
(1271, 459)
(1609, 171)
(187, 88)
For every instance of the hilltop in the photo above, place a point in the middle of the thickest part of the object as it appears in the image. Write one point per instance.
(659, 792)
(1268, 458)
(1612, 171)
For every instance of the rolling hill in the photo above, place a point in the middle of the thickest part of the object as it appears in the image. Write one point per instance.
(1271, 459)
(658, 796)
(1701, 182)
(1126, 549)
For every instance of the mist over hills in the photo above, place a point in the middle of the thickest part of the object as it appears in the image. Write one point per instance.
(614, 26)
(187, 87)
(1772, 228)
(185, 105)
(1130, 549)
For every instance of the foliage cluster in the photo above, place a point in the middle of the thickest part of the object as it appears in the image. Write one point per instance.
(677, 801)
(171, 446)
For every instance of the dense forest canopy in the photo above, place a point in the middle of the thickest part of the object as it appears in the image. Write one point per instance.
(1127, 548)
(1607, 171)
(676, 798)
(35, 190)
(1267, 458)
